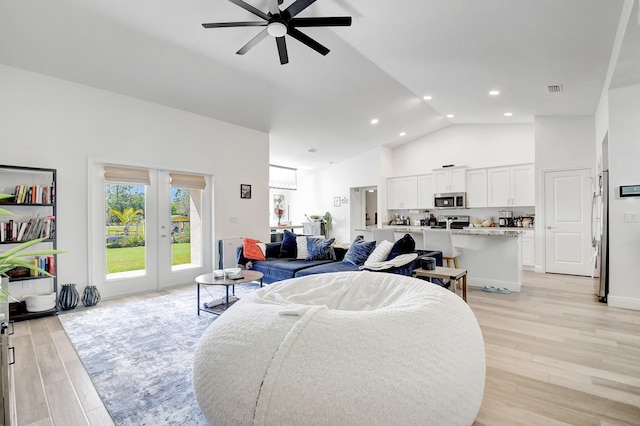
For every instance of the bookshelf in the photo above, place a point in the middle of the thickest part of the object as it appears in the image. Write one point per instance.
(34, 216)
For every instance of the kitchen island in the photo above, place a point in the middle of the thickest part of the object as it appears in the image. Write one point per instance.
(491, 256)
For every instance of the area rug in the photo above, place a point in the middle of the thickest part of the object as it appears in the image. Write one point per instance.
(140, 354)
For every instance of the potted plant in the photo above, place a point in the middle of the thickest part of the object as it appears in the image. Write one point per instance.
(327, 222)
(17, 256)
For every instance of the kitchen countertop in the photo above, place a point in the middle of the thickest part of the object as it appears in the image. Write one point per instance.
(482, 231)
(489, 232)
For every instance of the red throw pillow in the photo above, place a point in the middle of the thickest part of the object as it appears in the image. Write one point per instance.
(252, 249)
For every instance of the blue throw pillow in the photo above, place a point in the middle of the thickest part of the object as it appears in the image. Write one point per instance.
(359, 251)
(289, 248)
(404, 245)
(320, 249)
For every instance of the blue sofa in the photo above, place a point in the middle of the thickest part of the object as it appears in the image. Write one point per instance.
(276, 268)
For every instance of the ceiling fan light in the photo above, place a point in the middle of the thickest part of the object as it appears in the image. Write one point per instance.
(277, 29)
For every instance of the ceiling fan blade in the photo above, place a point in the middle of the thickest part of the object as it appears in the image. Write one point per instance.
(247, 6)
(282, 50)
(337, 21)
(305, 39)
(273, 7)
(297, 7)
(257, 39)
(235, 24)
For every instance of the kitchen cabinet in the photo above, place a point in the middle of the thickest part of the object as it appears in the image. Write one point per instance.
(425, 191)
(477, 188)
(528, 250)
(402, 193)
(452, 179)
(511, 186)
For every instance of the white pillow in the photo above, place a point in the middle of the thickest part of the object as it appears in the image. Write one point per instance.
(380, 253)
(301, 243)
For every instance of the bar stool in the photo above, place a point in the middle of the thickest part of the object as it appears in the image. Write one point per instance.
(440, 239)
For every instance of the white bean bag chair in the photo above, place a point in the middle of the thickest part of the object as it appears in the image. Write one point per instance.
(346, 348)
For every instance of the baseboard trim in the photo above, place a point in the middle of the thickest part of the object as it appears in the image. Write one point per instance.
(623, 302)
(482, 282)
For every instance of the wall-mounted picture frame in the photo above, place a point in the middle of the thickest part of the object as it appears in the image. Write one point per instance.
(245, 190)
(336, 202)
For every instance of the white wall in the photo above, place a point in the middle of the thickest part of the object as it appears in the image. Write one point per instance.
(564, 142)
(316, 192)
(624, 237)
(561, 143)
(48, 122)
(472, 145)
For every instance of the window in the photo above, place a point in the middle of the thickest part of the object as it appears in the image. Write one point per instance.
(186, 220)
(125, 196)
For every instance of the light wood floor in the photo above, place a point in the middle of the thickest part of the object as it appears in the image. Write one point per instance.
(555, 356)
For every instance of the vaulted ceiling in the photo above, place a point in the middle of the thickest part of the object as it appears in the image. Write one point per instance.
(381, 67)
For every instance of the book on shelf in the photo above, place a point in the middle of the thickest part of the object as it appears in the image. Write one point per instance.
(21, 230)
(34, 194)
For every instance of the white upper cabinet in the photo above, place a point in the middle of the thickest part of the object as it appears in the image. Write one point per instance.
(511, 186)
(452, 179)
(425, 191)
(477, 188)
(402, 193)
(523, 185)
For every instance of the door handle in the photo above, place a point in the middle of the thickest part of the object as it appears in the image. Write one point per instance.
(163, 235)
(550, 227)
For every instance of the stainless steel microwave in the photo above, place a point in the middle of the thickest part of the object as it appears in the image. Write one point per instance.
(450, 200)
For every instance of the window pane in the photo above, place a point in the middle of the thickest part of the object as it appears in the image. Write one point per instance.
(185, 228)
(125, 228)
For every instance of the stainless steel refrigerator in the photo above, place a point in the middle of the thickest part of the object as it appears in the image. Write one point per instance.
(600, 234)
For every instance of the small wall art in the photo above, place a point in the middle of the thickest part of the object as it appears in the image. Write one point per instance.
(336, 202)
(245, 191)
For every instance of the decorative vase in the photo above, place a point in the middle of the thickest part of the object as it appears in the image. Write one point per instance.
(68, 298)
(91, 295)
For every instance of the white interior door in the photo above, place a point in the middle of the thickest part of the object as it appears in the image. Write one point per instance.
(567, 196)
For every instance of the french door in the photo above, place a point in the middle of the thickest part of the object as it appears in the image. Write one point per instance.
(150, 228)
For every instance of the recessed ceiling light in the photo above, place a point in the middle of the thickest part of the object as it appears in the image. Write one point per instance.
(403, 134)
(508, 114)
(312, 150)
(375, 121)
(427, 97)
(450, 116)
(494, 92)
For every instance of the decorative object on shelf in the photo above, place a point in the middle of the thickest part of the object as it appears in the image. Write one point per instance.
(91, 296)
(245, 191)
(40, 302)
(279, 211)
(68, 298)
(279, 202)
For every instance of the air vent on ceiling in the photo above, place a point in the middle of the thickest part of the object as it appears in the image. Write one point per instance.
(555, 88)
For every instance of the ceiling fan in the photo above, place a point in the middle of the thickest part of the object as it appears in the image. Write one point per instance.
(279, 23)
